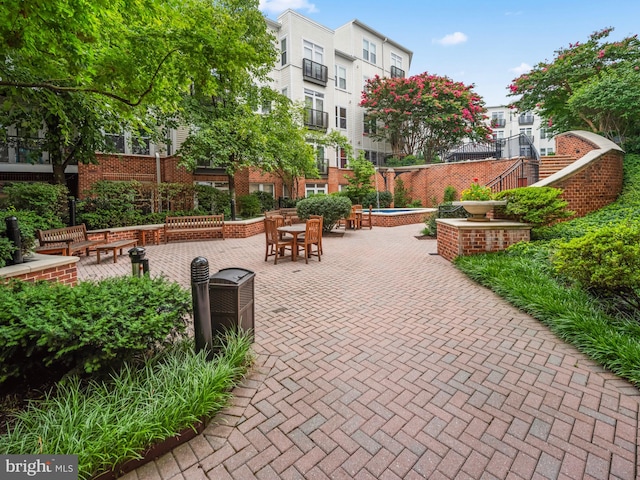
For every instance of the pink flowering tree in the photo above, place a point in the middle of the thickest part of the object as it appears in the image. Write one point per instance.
(591, 86)
(423, 114)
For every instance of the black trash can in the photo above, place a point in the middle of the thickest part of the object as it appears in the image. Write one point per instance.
(231, 300)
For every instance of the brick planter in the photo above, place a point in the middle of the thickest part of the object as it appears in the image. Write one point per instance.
(457, 236)
(53, 268)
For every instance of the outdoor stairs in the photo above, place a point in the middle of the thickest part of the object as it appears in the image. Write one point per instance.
(553, 163)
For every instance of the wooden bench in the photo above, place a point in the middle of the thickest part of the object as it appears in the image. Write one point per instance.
(290, 215)
(114, 246)
(75, 237)
(200, 223)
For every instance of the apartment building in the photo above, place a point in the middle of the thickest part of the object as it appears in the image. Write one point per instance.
(327, 70)
(507, 122)
(323, 68)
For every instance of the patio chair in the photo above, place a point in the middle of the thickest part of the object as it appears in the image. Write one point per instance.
(365, 219)
(321, 218)
(276, 245)
(353, 220)
(312, 236)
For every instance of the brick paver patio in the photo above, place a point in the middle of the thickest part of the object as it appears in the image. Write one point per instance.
(385, 362)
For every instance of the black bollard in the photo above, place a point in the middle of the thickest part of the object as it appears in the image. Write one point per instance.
(201, 306)
(136, 254)
(72, 211)
(13, 234)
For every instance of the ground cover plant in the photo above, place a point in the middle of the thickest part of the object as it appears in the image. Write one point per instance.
(576, 302)
(108, 422)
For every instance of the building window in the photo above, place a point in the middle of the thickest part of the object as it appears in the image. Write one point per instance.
(140, 146)
(322, 163)
(285, 92)
(262, 187)
(315, 188)
(369, 51)
(543, 151)
(283, 51)
(396, 70)
(527, 132)
(313, 52)
(341, 117)
(315, 116)
(115, 142)
(396, 60)
(543, 134)
(341, 77)
(342, 156)
(498, 120)
(368, 125)
(372, 156)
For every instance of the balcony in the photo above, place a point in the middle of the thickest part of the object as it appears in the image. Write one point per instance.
(314, 72)
(525, 120)
(498, 123)
(322, 164)
(316, 119)
(396, 72)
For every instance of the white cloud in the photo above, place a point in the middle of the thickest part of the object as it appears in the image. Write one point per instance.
(520, 69)
(275, 7)
(452, 39)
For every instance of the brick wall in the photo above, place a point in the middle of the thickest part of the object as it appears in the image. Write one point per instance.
(460, 237)
(595, 185)
(63, 272)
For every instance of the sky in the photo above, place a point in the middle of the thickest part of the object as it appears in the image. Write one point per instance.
(484, 43)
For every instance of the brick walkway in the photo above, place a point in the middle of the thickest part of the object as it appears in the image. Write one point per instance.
(384, 362)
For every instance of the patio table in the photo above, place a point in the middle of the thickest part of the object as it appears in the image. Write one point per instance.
(295, 230)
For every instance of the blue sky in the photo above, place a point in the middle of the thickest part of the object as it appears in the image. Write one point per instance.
(485, 43)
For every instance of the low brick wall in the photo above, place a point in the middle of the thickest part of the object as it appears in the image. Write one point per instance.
(380, 219)
(457, 236)
(52, 268)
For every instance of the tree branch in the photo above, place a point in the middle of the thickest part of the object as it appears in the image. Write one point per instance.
(59, 88)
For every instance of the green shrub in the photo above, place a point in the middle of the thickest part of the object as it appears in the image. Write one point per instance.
(538, 206)
(401, 196)
(46, 200)
(385, 197)
(28, 222)
(106, 423)
(108, 205)
(331, 207)
(249, 206)
(416, 203)
(605, 261)
(213, 201)
(90, 327)
(267, 202)
(6, 250)
(450, 194)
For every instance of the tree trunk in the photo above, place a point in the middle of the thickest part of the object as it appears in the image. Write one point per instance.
(232, 195)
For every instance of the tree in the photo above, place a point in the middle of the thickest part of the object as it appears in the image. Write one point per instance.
(290, 156)
(424, 113)
(360, 181)
(590, 86)
(70, 63)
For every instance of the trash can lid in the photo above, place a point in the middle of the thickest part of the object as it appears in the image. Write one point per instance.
(230, 275)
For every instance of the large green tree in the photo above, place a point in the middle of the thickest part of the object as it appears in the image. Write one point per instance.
(80, 68)
(424, 113)
(590, 86)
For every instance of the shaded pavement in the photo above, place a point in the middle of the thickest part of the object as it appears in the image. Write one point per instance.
(382, 361)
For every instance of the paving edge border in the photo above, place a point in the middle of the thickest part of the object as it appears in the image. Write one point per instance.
(154, 451)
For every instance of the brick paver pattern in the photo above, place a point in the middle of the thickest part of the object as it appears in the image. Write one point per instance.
(385, 362)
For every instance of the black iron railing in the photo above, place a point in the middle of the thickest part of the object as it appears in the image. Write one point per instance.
(314, 72)
(316, 119)
(396, 72)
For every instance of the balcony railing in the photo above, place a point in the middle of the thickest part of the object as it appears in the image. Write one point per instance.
(525, 120)
(396, 72)
(316, 119)
(322, 164)
(314, 72)
(498, 123)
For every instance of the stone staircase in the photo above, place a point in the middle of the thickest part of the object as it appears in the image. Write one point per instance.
(552, 164)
